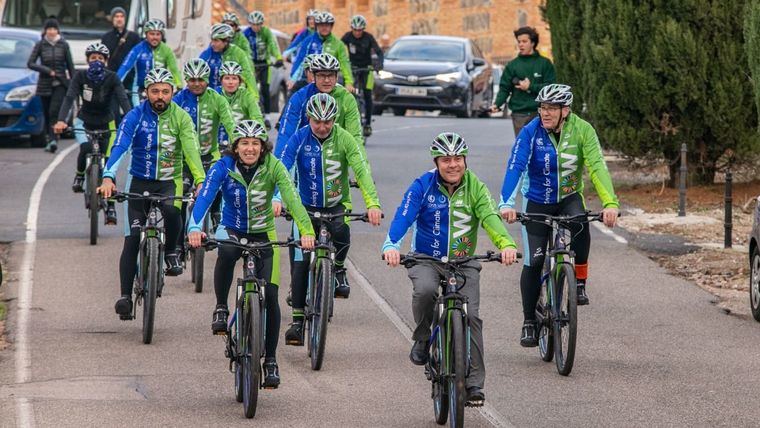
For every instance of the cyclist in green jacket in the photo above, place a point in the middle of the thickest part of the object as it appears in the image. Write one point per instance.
(249, 169)
(265, 50)
(320, 155)
(239, 40)
(549, 156)
(221, 50)
(243, 105)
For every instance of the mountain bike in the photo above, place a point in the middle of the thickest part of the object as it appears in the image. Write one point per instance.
(245, 336)
(557, 309)
(149, 281)
(93, 202)
(196, 255)
(449, 363)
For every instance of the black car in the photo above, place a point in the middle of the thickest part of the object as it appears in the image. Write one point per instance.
(434, 73)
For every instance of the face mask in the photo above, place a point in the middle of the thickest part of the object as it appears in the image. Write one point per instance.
(96, 71)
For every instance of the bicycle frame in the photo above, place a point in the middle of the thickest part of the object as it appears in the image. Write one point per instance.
(149, 230)
(449, 300)
(557, 253)
(248, 288)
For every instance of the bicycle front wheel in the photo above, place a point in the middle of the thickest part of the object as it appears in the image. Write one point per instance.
(439, 384)
(252, 356)
(320, 312)
(545, 335)
(197, 267)
(150, 288)
(93, 201)
(566, 317)
(458, 368)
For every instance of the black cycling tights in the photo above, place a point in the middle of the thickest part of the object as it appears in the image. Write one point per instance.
(299, 270)
(535, 247)
(84, 150)
(137, 212)
(361, 78)
(224, 272)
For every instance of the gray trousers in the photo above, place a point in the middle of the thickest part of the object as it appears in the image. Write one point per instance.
(521, 119)
(426, 280)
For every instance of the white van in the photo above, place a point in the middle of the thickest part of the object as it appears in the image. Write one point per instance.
(83, 22)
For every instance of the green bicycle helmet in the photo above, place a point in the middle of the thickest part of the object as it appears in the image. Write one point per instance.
(158, 75)
(322, 107)
(230, 68)
(222, 32)
(256, 17)
(154, 25)
(448, 144)
(358, 22)
(196, 68)
(231, 17)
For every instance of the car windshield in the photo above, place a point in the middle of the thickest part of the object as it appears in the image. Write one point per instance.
(426, 50)
(14, 52)
(86, 15)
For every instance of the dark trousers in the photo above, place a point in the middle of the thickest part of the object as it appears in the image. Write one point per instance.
(51, 106)
(519, 120)
(262, 77)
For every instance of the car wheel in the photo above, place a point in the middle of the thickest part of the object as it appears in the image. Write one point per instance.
(399, 111)
(466, 111)
(754, 283)
(39, 140)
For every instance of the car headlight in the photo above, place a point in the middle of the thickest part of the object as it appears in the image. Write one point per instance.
(382, 74)
(22, 93)
(449, 77)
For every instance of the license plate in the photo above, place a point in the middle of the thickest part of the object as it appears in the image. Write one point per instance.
(415, 92)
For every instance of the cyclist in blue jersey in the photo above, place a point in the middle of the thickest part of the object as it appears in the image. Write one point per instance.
(549, 156)
(160, 137)
(445, 207)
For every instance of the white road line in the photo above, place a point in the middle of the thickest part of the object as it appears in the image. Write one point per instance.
(488, 411)
(401, 128)
(24, 412)
(607, 231)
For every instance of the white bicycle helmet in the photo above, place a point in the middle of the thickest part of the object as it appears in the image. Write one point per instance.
(256, 17)
(555, 94)
(222, 32)
(196, 68)
(322, 107)
(448, 144)
(158, 75)
(324, 62)
(324, 18)
(358, 22)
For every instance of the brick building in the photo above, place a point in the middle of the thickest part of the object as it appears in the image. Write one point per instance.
(487, 22)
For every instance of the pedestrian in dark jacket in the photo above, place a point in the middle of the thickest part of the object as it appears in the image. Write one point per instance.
(523, 78)
(119, 42)
(56, 69)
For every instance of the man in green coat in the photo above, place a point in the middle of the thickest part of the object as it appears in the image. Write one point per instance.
(221, 50)
(264, 48)
(239, 40)
(523, 78)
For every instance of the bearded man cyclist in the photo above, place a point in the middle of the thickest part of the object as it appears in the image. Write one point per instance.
(549, 156)
(249, 169)
(320, 155)
(161, 138)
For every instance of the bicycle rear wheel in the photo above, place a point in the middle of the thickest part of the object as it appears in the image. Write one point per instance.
(94, 201)
(566, 322)
(458, 368)
(320, 312)
(252, 356)
(150, 288)
(545, 336)
(439, 384)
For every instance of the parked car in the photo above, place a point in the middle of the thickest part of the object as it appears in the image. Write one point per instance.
(20, 109)
(434, 73)
(754, 263)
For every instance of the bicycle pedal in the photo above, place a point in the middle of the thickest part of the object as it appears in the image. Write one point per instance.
(220, 333)
(269, 387)
(477, 403)
(126, 317)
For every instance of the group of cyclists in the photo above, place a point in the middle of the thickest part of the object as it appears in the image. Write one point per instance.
(212, 134)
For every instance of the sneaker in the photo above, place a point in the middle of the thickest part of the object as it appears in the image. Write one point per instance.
(124, 307)
(294, 335)
(173, 264)
(582, 296)
(529, 337)
(111, 215)
(271, 374)
(267, 123)
(51, 147)
(367, 131)
(475, 397)
(419, 353)
(219, 320)
(342, 289)
(78, 185)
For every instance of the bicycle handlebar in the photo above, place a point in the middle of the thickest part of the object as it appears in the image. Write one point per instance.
(125, 196)
(211, 244)
(586, 217)
(410, 260)
(327, 217)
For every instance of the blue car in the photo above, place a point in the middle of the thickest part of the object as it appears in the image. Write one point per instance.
(20, 109)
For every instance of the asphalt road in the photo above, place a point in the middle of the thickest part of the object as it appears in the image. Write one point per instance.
(652, 349)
